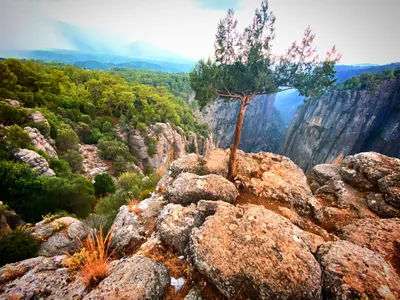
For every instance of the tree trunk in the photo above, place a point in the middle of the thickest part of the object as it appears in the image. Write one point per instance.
(232, 168)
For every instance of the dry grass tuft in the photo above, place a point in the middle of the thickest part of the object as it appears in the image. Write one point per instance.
(92, 259)
(133, 207)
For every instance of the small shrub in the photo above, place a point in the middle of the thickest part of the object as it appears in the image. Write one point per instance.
(74, 160)
(16, 137)
(145, 194)
(17, 245)
(58, 225)
(103, 185)
(92, 259)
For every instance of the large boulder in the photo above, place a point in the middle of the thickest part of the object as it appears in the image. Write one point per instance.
(128, 232)
(35, 161)
(190, 188)
(342, 204)
(133, 225)
(254, 251)
(380, 235)
(60, 235)
(134, 278)
(40, 142)
(39, 278)
(37, 117)
(350, 271)
(322, 173)
(175, 224)
(378, 205)
(276, 180)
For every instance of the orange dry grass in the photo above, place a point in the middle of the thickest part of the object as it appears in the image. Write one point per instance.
(92, 259)
(133, 207)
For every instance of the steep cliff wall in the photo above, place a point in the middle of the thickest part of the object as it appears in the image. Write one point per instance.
(170, 144)
(341, 123)
(262, 129)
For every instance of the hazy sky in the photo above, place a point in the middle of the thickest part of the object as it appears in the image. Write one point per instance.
(365, 31)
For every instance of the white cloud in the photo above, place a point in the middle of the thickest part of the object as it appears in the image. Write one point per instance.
(363, 30)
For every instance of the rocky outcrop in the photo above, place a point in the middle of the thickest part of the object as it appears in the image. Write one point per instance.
(133, 278)
(379, 235)
(363, 186)
(253, 251)
(39, 278)
(175, 224)
(133, 225)
(170, 145)
(190, 188)
(262, 128)
(353, 272)
(92, 163)
(35, 161)
(42, 143)
(267, 240)
(14, 103)
(341, 123)
(60, 235)
(37, 117)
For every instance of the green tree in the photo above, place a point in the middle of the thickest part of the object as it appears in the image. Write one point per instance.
(244, 66)
(103, 185)
(74, 159)
(66, 138)
(16, 137)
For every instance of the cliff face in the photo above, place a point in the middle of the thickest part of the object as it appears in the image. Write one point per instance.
(341, 123)
(171, 144)
(262, 129)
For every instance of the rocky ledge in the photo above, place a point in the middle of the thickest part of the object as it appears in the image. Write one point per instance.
(274, 233)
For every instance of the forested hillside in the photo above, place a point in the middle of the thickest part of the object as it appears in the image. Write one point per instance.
(80, 106)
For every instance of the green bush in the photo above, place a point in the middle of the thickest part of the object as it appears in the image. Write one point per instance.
(16, 137)
(66, 138)
(82, 130)
(103, 185)
(74, 160)
(94, 137)
(10, 115)
(61, 168)
(111, 149)
(120, 165)
(16, 246)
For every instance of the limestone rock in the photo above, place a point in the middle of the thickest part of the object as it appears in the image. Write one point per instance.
(35, 160)
(262, 129)
(136, 277)
(175, 224)
(322, 173)
(37, 117)
(276, 179)
(350, 271)
(390, 188)
(378, 205)
(39, 278)
(363, 170)
(171, 144)
(341, 204)
(40, 142)
(128, 232)
(190, 188)
(340, 123)
(380, 235)
(93, 164)
(60, 235)
(256, 251)
(188, 163)
(14, 103)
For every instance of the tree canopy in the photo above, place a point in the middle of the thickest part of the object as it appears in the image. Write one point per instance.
(244, 66)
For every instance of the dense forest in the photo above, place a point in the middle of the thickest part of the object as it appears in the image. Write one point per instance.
(81, 107)
(367, 80)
